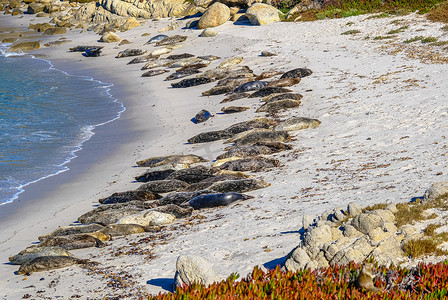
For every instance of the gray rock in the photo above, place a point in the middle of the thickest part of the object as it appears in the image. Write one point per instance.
(354, 209)
(261, 14)
(208, 33)
(366, 222)
(345, 256)
(318, 236)
(307, 221)
(436, 190)
(193, 268)
(350, 231)
(297, 259)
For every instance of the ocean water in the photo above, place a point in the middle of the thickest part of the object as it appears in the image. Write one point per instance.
(45, 117)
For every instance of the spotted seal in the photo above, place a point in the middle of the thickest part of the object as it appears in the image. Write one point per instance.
(182, 74)
(234, 109)
(255, 164)
(76, 229)
(163, 186)
(206, 183)
(191, 82)
(142, 59)
(297, 123)
(185, 62)
(239, 185)
(245, 133)
(122, 229)
(178, 198)
(266, 91)
(180, 56)
(161, 51)
(171, 40)
(278, 105)
(131, 52)
(151, 175)
(33, 252)
(202, 116)
(123, 197)
(247, 151)
(218, 74)
(193, 174)
(93, 52)
(251, 86)
(170, 159)
(276, 97)
(236, 96)
(156, 72)
(209, 136)
(230, 62)
(297, 73)
(73, 241)
(215, 200)
(284, 82)
(156, 63)
(195, 66)
(209, 57)
(218, 90)
(156, 38)
(268, 74)
(83, 48)
(175, 210)
(263, 136)
(45, 263)
(111, 213)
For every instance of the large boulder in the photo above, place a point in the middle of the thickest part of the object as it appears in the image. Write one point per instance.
(149, 8)
(193, 268)
(129, 24)
(215, 15)
(109, 37)
(366, 222)
(297, 259)
(261, 14)
(24, 46)
(35, 8)
(56, 30)
(436, 190)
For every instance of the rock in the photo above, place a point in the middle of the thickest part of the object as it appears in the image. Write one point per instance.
(389, 251)
(9, 40)
(307, 221)
(56, 30)
(24, 46)
(215, 15)
(203, 3)
(366, 222)
(40, 27)
(193, 268)
(436, 190)
(150, 8)
(192, 23)
(148, 218)
(129, 24)
(297, 259)
(350, 231)
(392, 207)
(124, 42)
(318, 236)
(208, 33)
(354, 209)
(385, 214)
(16, 12)
(109, 37)
(389, 227)
(377, 235)
(125, 9)
(363, 244)
(345, 256)
(34, 8)
(261, 14)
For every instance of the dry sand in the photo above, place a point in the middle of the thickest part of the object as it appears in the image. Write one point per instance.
(384, 119)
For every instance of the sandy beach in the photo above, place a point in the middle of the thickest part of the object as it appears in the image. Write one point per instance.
(384, 114)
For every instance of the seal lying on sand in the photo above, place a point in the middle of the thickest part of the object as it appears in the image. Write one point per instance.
(171, 40)
(123, 197)
(251, 86)
(255, 164)
(247, 151)
(202, 116)
(275, 106)
(218, 74)
(276, 97)
(263, 136)
(170, 159)
(191, 82)
(193, 175)
(268, 74)
(156, 38)
(214, 200)
(239, 185)
(297, 123)
(178, 198)
(297, 73)
(154, 175)
(206, 183)
(82, 48)
(67, 230)
(73, 241)
(122, 229)
(236, 96)
(31, 253)
(93, 52)
(269, 90)
(284, 82)
(234, 109)
(143, 59)
(45, 263)
(172, 209)
(151, 73)
(182, 74)
(163, 186)
(180, 56)
(131, 52)
(110, 213)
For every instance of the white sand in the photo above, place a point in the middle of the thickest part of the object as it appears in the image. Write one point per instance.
(382, 138)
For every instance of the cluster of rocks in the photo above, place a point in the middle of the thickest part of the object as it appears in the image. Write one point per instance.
(355, 234)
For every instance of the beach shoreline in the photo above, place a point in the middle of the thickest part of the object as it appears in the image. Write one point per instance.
(369, 148)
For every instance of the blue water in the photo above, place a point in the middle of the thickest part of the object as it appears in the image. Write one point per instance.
(45, 116)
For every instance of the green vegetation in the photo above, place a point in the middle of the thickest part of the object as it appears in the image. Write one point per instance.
(429, 40)
(351, 32)
(334, 282)
(424, 40)
(439, 13)
(414, 39)
(398, 30)
(378, 38)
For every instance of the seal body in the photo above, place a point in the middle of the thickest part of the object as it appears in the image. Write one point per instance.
(151, 73)
(275, 106)
(202, 116)
(31, 253)
(178, 198)
(283, 96)
(297, 73)
(239, 185)
(170, 159)
(93, 52)
(45, 263)
(214, 200)
(180, 56)
(67, 230)
(251, 86)
(122, 229)
(163, 186)
(171, 40)
(183, 73)
(191, 82)
(234, 109)
(73, 241)
(268, 74)
(130, 52)
(143, 59)
(156, 38)
(268, 91)
(82, 48)
(256, 164)
(297, 123)
(193, 175)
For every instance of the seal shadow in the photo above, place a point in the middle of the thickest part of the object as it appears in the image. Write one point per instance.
(165, 283)
(275, 262)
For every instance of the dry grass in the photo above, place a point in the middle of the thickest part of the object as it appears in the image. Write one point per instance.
(430, 230)
(417, 248)
(350, 32)
(439, 13)
(375, 207)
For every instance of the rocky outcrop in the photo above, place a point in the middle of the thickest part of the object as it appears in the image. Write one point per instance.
(215, 15)
(261, 14)
(436, 190)
(193, 268)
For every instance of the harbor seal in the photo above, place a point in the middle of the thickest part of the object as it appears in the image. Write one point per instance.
(171, 40)
(275, 106)
(33, 252)
(83, 48)
(276, 97)
(202, 116)
(206, 183)
(73, 241)
(215, 200)
(209, 136)
(246, 151)
(209, 57)
(195, 66)
(297, 73)
(161, 62)
(236, 96)
(183, 73)
(193, 174)
(268, 74)
(151, 175)
(122, 229)
(170, 159)
(178, 198)
(180, 56)
(239, 185)
(284, 82)
(163, 186)
(110, 213)
(46, 263)
(255, 164)
(218, 74)
(184, 83)
(230, 62)
(156, 38)
(175, 210)
(156, 72)
(234, 109)
(128, 196)
(251, 86)
(93, 52)
(218, 90)
(263, 136)
(297, 123)
(131, 52)
(75, 229)
(267, 53)
(142, 59)
(266, 91)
